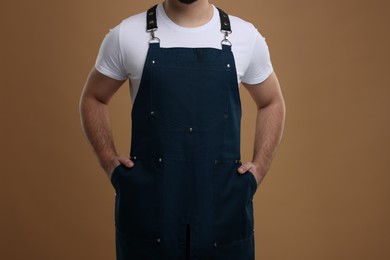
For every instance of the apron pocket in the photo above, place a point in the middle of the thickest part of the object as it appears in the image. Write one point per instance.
(137, 201)
(242, 250)
(253, 181)
(114, 173)
(233, 215)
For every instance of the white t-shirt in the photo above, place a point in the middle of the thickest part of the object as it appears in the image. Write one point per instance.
(123, 51)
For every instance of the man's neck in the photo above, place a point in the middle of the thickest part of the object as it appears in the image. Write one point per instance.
(189, 15)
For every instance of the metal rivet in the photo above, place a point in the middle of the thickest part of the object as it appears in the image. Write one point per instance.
(158, 240)
(152, 113)
(135, 157)
(151, 13)
(153, 61)
(190, 129)
(160, 159)
(151, 22)
(215, 244)
(228, 65)
(225, 23)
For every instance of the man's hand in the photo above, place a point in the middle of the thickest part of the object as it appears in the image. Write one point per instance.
(253, 168)
(118, 161)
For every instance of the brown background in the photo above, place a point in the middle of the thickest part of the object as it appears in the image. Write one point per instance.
(327, 194)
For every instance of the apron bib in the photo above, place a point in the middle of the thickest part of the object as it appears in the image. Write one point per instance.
(184, 199)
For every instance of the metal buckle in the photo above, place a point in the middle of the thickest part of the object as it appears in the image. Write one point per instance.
(226, 39)
(154, 37)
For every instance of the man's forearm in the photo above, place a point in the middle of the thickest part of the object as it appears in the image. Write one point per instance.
(97, 127)
(268, 134)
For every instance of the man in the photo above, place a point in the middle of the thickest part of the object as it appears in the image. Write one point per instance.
(183, 193)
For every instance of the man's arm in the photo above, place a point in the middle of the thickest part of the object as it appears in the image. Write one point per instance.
(95, 119)
(269, 125)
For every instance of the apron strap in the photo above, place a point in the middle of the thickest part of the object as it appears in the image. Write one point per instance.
(225, 27)
(151, 19)
(151, 23)
(225, 21)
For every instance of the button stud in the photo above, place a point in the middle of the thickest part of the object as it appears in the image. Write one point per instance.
(190, 129)
(215, 244)
(228, 65)
(152, 113)
(160, 159)
(158, 240)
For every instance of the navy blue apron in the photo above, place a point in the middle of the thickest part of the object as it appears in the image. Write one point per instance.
(184, 199)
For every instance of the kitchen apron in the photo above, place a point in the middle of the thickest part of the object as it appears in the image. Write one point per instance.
(184, 199)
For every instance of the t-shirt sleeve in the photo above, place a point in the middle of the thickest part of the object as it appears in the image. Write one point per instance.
(109, 61)
(260, 66)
